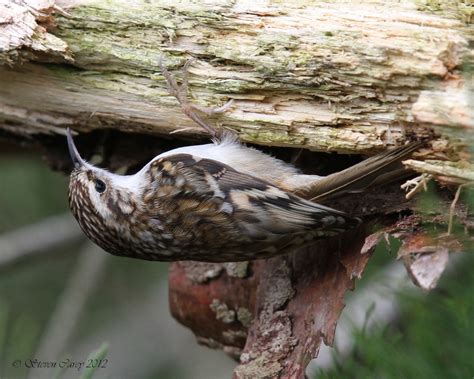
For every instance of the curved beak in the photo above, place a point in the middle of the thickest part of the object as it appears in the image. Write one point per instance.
(75, 157)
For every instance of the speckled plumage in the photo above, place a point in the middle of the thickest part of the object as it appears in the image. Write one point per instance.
(201, 203)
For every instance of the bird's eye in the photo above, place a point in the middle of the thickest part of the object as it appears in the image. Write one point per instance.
(99, 185)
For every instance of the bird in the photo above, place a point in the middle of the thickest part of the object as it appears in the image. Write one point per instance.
(217, 202)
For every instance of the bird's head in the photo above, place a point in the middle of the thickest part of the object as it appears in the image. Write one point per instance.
(102, 202)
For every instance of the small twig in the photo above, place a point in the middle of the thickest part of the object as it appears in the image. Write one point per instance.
(452, 208)
(417, 183)
(295, 157)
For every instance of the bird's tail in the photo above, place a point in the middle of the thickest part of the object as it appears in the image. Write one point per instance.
(380, 169)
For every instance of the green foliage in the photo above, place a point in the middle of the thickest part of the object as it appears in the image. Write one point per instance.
(18, 334)
(96, 357)
(434, 336)
(29, 191)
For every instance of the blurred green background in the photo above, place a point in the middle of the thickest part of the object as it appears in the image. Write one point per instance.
(125, 304)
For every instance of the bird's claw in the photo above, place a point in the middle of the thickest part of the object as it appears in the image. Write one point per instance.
(180, 92)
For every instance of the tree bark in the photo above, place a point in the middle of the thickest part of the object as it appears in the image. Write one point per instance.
(323, 76)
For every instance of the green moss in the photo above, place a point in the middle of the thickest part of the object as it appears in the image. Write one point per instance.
(268, 137)
(301, 57)
(463, 10)
(32, 200)
(114, 37)
(117, 48)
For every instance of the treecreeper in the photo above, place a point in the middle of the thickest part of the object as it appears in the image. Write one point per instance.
(217, 202)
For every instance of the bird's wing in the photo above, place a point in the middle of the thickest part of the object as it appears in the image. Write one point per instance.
(259, 209)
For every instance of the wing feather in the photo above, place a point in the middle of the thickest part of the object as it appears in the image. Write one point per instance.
(258, 209)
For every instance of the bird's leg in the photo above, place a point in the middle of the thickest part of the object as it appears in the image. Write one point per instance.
(180, 92)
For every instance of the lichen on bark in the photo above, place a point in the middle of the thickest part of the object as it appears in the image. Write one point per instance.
(326, 79)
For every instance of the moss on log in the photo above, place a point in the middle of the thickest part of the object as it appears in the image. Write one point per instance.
(322, 76)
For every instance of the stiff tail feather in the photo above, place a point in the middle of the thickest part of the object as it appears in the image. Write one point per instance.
(380, 169)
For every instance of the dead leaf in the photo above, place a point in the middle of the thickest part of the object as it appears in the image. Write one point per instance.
(426, 269)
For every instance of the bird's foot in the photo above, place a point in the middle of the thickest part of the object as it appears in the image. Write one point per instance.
(180, 92)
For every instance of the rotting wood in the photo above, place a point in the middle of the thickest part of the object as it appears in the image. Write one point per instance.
(322, 76)
(444, 171)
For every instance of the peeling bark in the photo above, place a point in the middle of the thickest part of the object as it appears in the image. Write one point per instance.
(295, 301)
(24, 35)
(299, 300)
(215, 305)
